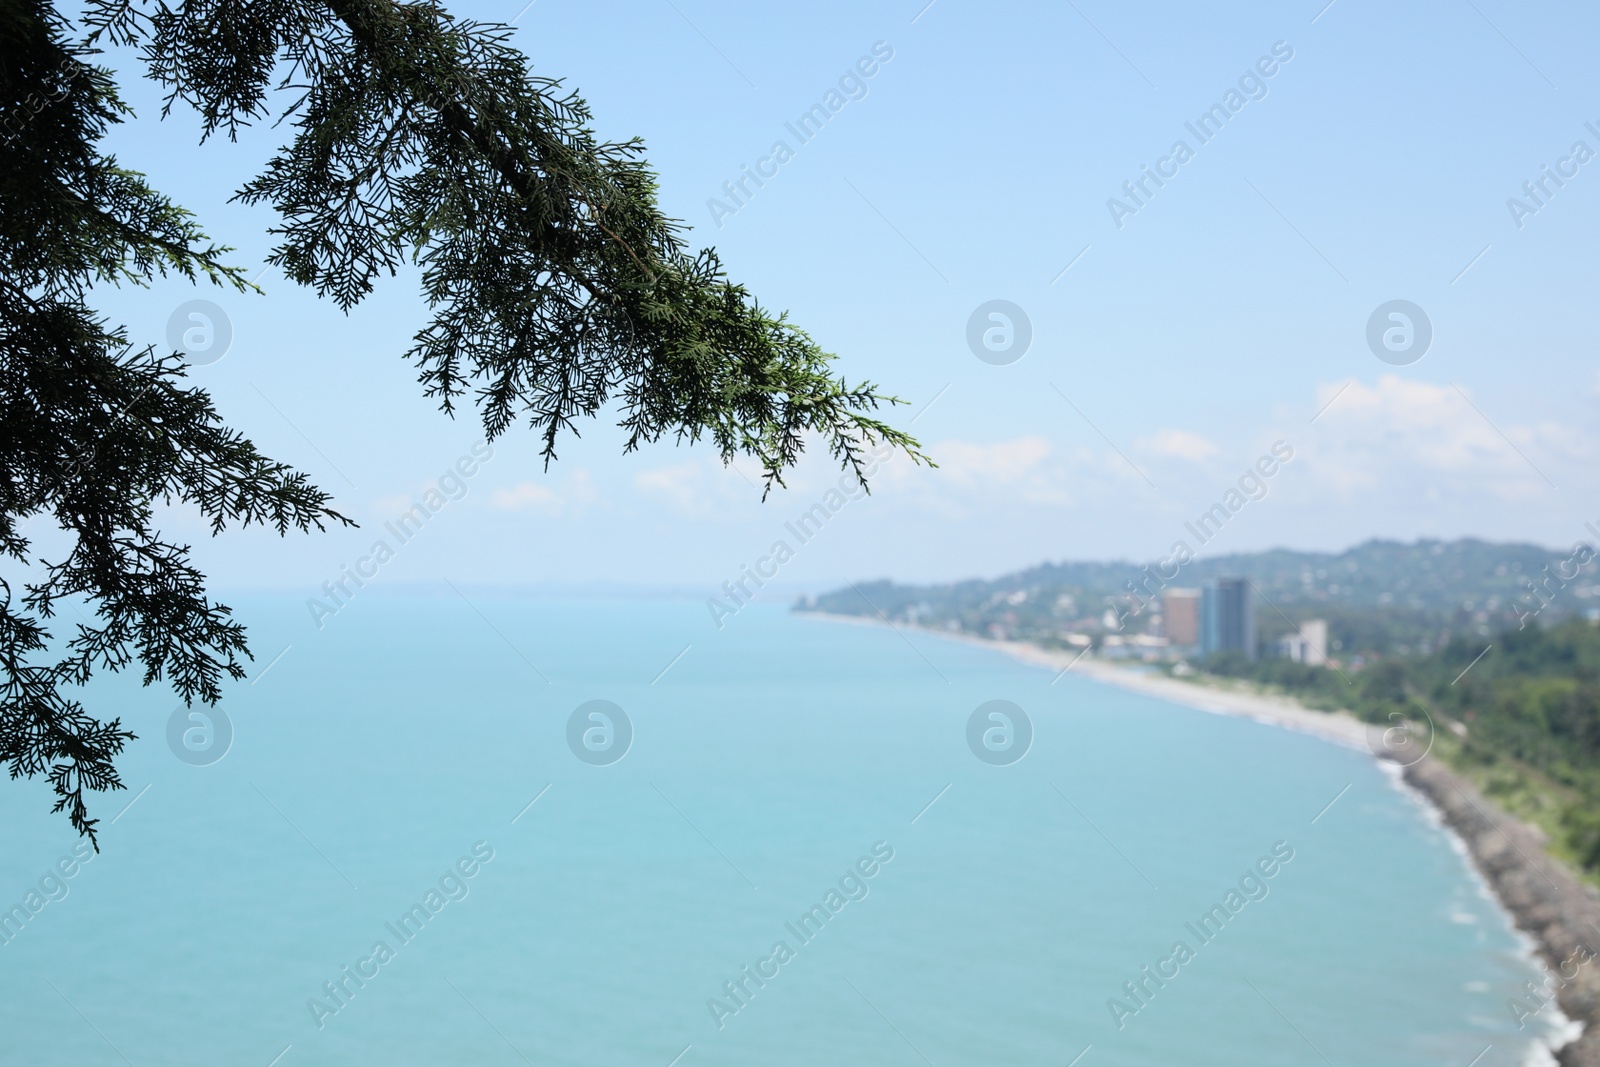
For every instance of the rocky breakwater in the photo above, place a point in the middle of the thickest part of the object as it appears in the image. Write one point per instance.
(1545, 898)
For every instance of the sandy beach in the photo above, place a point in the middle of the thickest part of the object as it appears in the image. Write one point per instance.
(1337, 727)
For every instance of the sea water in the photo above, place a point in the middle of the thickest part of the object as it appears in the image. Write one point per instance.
(409, 852)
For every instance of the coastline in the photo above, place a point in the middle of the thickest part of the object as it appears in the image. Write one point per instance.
(1338, 727)
(1546, 901)
(1560, 914)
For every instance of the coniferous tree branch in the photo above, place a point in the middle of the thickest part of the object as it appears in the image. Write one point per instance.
(95, 434)
(554, 282)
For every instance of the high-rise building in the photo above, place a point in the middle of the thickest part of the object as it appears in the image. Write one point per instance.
(1180, 616)
(1228, 617)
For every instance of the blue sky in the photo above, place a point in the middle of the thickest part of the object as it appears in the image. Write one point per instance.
(1217, 320)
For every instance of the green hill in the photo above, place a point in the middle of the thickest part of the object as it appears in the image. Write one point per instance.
(1381, 598)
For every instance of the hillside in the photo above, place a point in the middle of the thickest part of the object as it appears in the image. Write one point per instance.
(1380, 598)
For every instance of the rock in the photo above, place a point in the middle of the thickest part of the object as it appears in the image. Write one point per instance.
(1545, 898)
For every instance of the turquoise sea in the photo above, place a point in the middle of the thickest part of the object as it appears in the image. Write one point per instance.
(403, 777)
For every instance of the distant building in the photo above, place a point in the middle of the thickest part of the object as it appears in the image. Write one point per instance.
(1180, 613)
(1309, 646)
(1228, 617)
(1315, 633)
(1140, 646)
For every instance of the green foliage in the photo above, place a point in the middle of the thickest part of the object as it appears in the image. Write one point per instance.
(95, 434)
(1530, 708)
(555, 287)
(556, 283)
(1581, 825)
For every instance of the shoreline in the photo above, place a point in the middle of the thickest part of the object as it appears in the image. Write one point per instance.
(1545, 900)
(1338, 727)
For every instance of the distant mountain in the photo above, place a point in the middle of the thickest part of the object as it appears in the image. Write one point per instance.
(1380, 598)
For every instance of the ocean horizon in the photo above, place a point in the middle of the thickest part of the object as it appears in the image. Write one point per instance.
(599, 831)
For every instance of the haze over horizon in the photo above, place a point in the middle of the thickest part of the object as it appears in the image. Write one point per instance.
(781, 587)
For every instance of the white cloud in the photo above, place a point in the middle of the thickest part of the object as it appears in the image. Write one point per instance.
(973, 474)
(682, 485)
(573, 495)
(1441, 439)
(1005, 462)
(1178, 444)
(523, 496)
(392, 505)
